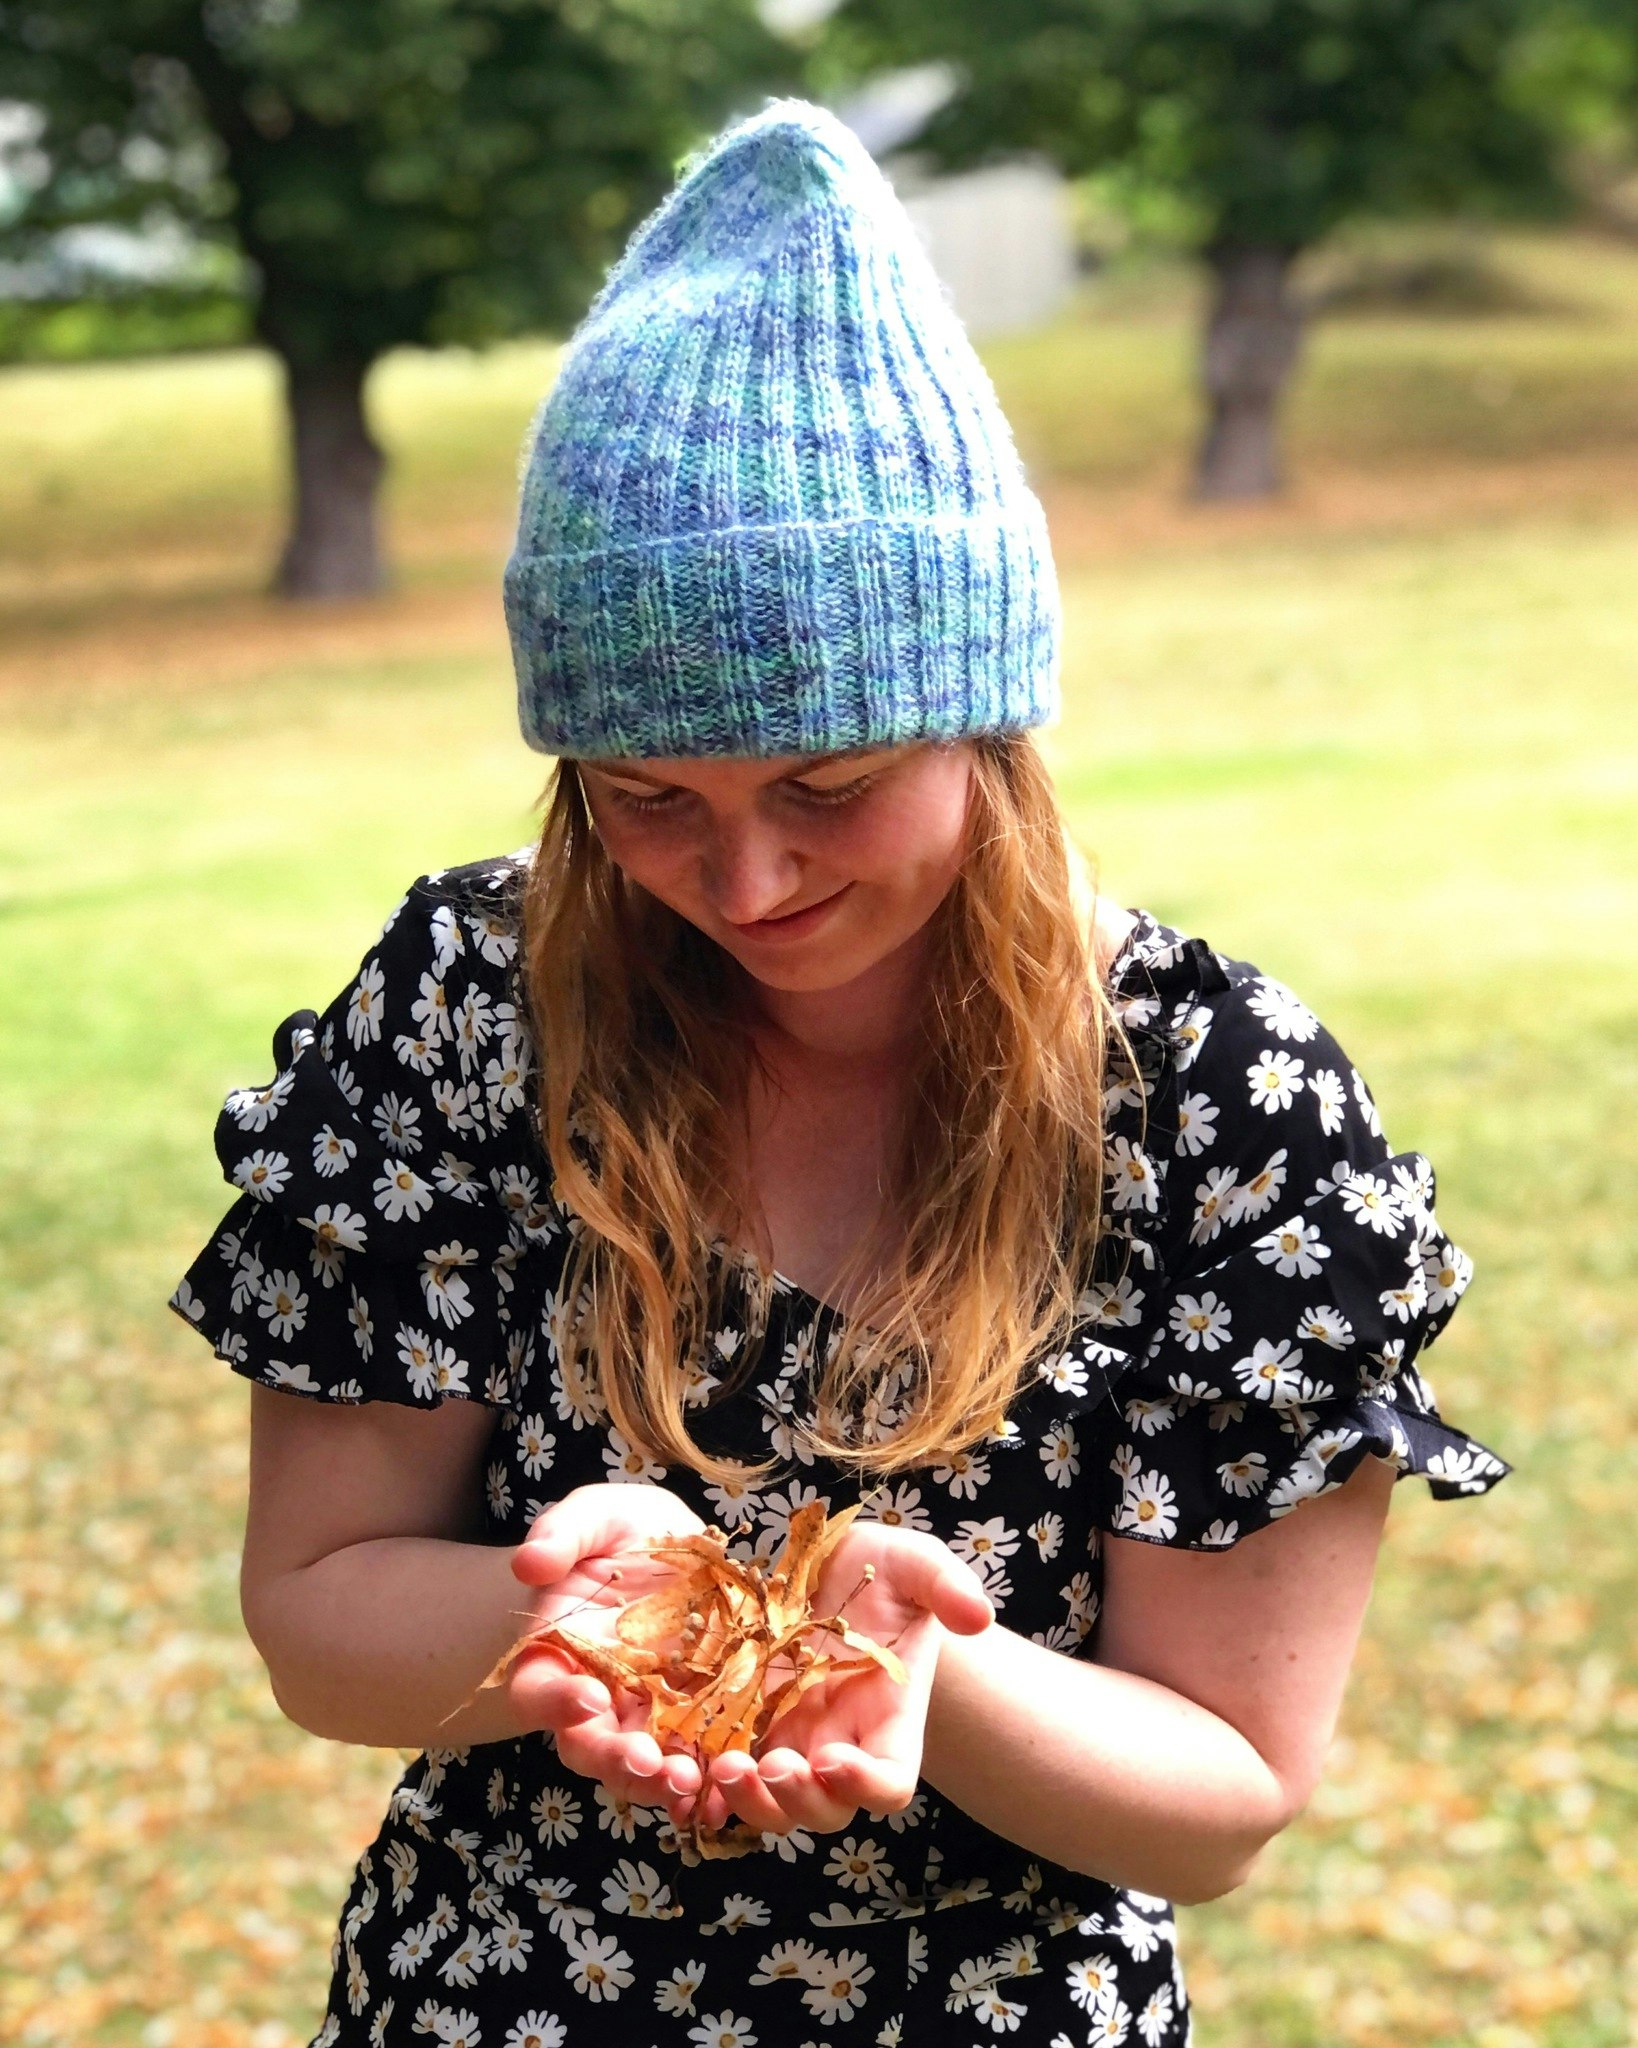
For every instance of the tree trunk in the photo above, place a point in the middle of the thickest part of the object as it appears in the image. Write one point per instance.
(335, 468)
(1252, 341)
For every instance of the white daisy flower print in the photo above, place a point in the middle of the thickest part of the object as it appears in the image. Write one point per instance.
(1372, 1203)
(732, 1501)
(676, 1993)
(1255, 1197)
(1148, 1507)
(1155, 2017)
(283, 1305)
(1116, 1303)
(1200, 1322)
(1147, 1416)
(1470, 1468)
(1091, 1981)
(1246, 1474)
(897, 1507)
(1275, 1080)
(791, 1962)
(598, 1966)
(1281, 1011)
(399, 1193)
(1330, 1099)
(965, 1473)
(1196, 1124)
(509, 1944)
(837, 1991)
(397, 1123)
(445, 934)
(1325, 1325)
(253, 1109)
(627, 1462)
(418, 1054)
(459, 1968)
(1189, 1031)
(430, 1365)
(410, 1951)
(332, 1153)
(431, 1009)
(739, 1911)
(1295, 1248)
(364, 1009)
(363, 1325)
(1405, 1303)
(858, 1866)
(1272, 1371)
(1133, 1183)
(536, 2030)
(1065, 1374)
(1219, 1535)
(1139, 1937)
(722, 2030)
(298, 1379)
(1212, 1199)
(535, 1444)
(1046, 1532)
(444, 1284)
(636, 1888)
(1060, 1453)
(263, 1174)
(457, 1105)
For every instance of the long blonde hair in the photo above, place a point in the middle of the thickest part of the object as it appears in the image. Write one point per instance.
(996, 1200)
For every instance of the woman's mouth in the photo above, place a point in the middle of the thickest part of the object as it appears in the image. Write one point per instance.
(795, 924)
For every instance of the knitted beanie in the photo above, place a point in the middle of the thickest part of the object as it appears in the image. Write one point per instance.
(771, 505)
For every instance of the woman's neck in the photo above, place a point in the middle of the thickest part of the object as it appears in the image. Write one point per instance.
(867, 1022)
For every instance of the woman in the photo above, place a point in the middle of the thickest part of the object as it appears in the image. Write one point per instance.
(793, 1123)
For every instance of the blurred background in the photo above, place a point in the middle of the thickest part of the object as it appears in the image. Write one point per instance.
(1317, 324)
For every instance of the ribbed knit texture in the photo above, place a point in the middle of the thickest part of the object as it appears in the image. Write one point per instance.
(772, 505)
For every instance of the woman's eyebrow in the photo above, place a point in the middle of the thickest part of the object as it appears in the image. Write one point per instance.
(628, 773)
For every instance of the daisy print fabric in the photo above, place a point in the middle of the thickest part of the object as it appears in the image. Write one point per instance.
(1269, 1276)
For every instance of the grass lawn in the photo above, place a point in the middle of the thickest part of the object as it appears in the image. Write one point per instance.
(1382, 739)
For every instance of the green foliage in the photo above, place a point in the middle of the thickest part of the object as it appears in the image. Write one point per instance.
(394, 170)
(1256, 121)
(145, 323)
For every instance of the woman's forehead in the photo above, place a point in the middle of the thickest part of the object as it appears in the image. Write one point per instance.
(735, 772)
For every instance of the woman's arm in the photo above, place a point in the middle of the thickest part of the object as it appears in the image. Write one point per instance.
(377, 1614)
(1200, 1731)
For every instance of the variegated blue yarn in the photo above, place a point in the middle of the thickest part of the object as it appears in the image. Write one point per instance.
(772, 505)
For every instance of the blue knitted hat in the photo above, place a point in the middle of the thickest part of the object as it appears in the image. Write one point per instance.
(772, 505)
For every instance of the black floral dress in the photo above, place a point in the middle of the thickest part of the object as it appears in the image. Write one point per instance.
(1273, 1275)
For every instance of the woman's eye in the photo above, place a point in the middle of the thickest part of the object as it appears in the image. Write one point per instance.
(642, 803)
(838, 793)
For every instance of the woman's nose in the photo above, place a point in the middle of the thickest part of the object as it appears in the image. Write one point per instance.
(748, 872)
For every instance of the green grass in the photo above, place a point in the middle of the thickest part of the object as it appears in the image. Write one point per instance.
(1392, 758)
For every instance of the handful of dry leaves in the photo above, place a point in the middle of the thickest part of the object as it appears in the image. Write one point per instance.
(725, 1651)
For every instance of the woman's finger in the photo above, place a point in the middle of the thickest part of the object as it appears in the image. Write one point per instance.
(552, 1692)
(741, 1784)
(846, 1772)
(597, 1521)
(789, 1777)
(929, 1574)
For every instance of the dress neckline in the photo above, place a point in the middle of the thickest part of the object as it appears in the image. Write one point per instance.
(1145, 936)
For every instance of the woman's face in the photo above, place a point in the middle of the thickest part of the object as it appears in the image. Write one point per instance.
(808, 869)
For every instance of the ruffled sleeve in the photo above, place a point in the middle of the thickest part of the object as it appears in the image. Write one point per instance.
(1301, 1275)
(370, 1253)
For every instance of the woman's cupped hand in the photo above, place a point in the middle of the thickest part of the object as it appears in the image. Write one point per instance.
(850, 1742)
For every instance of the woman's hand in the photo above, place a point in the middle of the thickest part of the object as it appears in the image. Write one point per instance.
(856, 1741)
(580, 1551)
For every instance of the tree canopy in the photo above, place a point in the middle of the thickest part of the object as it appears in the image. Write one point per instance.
(391, 171)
